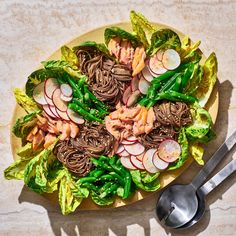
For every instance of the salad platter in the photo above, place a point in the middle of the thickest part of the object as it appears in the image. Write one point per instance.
(115, 115)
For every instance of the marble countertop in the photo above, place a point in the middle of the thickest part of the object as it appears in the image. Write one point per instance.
(31, 30)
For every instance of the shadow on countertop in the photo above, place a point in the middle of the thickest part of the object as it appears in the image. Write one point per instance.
(141, 213)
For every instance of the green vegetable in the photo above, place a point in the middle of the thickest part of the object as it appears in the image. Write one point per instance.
(24, 125)
(127, 187)
(118, 32)
(109, 190)
(183, 141)
(162, 39)
(27, 103)
(87, 180)
(146, 181)
(196, 151)
(101, 201)
(120, 191)
(68, 55)
(26, 152)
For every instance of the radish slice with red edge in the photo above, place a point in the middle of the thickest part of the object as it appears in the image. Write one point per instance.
(159, 163)
(127, 93)
(59, 104)
(65, 98)
(147, 161)
(124, 154)
(143, 85)
(53, 110)
(133, 98)
(169, 150)
(49, 100)
(159, 55)
(135, 149)
(38, 94)
(140, 157)
(137, 163)
(156, 66)
(132, 138)
(66, 90)
(134, 83)
(125, 161)
(50, 85)
(125, 142)
(63, 115)
(120, 149)
(171, 59)
(48, 111)
(75, 117)
(146, 74)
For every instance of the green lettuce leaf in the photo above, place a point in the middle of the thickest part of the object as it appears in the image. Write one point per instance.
(24, 125)
(146, 181)
(68, 55)
(183, 141)
(142, 28)
(118, 32)
(208, 81)
(26, 152)
(164, 38)
(27, 103)
(105, 201)
(196, 151)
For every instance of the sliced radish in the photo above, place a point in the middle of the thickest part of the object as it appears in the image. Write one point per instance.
(49, 100)
(75, 117)
(59, 104)
(120, 149)
(134, 83)
(124, 153)
(133, 98)
(159, 163)
(38, 94)
(171, 59)
(63, 115)
(132, 138)
(159, 55)
(147, 161)
(147, 75)
(125, 161)
(135, 149)
(65, 98)
(125, 142)
(66, 90)
(127, 93)
(50, 85)
(53, 110)
(156, 66)
(137, 163)
(48, 111)
(169, 150)
(140, 157)
(143, 85)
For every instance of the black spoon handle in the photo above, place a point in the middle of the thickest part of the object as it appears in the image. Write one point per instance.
(214, 161)
(217, 179)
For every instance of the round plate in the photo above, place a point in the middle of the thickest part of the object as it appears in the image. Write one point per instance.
(166, 177)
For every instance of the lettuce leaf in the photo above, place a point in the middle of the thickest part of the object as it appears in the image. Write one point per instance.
(142, 28)
(164, 38)
(116, 31)
(146, 181)
(183, 141)
(24, 125)
(68, 55)
(196, 151)
(27, 103)
(208, 81)
(105, 201)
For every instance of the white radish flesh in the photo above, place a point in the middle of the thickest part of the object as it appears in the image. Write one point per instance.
(38, 94)
(156, 66)
(63, 115)
(120, 149)
(75, 117)
(127, 93)
(65, 98)
(125, 142)
(169, 150)
(171, 59)
(125, 161)
(134, 83)
(56, 98)
(53, 110)
(147, 161)
(49, 100)
(133, 98)
(50, 86)
(137, 163)
(159, 55)
(159, 163)
(147, 75)
(135, 149)
(48, 111)
(132, 138)
(66, 90)
(124, 154)
(143, 85)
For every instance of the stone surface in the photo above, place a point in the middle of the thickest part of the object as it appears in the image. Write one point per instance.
(31, 30)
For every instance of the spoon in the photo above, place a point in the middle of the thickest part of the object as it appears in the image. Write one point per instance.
(207, 188)
(178, 204)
